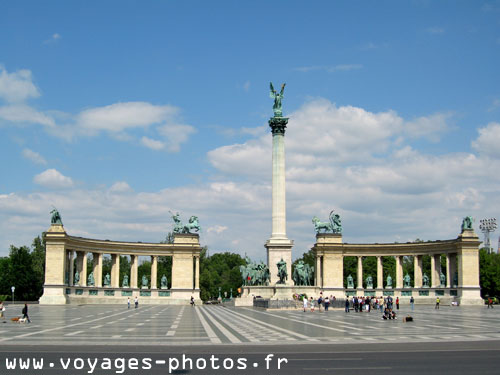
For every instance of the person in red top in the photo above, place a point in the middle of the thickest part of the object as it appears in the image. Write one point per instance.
(397, 303)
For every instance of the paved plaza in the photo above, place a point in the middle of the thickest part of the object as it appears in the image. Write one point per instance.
(214, 325)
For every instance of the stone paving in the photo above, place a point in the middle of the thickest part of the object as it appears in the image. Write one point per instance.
(212, 325)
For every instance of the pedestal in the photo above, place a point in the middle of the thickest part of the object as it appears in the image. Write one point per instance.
(277, 250)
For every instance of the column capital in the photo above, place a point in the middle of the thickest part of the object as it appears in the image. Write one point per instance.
(278, 125)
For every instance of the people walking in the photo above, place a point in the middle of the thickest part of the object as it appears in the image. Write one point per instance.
(2, 310)
(437, 303)
(412, 303)
(397, 303)
(490, 303)
(25, 313)
(327, 303)
(312, 304)
(136, 302)
(128, 302)
(304, 300)
(347, 305)
(192, 301)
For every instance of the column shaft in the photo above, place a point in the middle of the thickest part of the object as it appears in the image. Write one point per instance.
(399, 271)
(380, 273)
(360, 272)
(279, 193)
(83, 272)
(197, 273)
(115, 270)
(98, 269)
(417, 271)
(154, 271)
(133, 270)
(448, 271)
(317, 271)
(435, 266)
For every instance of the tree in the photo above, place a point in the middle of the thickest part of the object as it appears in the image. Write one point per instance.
(489, 280)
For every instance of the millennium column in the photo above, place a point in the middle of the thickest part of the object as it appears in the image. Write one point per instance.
(279, 246)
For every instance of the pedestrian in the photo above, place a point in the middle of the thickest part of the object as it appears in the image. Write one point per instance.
(397, 303)
(312, 304)
(304, 300)
(347, 305)
(2, 310)
(192, 301)
(381, 304)
(412, 303)
(437, 304)
(136, 302)
(490, 303)
(327, 303)
(25, 313)
(320, 301)
(128, 302)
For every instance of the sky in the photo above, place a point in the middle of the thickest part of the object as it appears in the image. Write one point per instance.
(121, 112)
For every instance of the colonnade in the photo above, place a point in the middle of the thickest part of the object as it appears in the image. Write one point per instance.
(64, 253)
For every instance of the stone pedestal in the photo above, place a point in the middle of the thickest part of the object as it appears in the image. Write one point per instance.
(277, 250)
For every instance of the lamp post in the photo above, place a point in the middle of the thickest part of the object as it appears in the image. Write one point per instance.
(487, 226)
(13, 288)
(231, 296)
(219, 293)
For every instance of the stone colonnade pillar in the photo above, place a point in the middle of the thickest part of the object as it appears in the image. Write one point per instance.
(435, 270)
(197, 272)
(134, 259)
(154, 271)
(380, 273)
(81, 267)
(448, 271)
(399, 272)
(97, 263)
(115, 270)
(317, 271)
(360, 272)
(417, 271)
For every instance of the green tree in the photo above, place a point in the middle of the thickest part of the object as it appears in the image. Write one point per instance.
(489, 279)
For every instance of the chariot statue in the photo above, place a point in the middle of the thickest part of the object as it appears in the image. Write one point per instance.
(56, 217)
(254, 273)
(467, 223)
(334, 226)
(181, 228)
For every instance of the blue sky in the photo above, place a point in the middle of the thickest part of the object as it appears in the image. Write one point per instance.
(117, 112)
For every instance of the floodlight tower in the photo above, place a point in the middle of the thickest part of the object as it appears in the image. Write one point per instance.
(487, 226)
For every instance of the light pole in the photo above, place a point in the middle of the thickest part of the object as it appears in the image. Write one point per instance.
(487, 226)
(13, 288)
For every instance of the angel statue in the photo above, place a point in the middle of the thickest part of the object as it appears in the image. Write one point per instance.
(277, 100)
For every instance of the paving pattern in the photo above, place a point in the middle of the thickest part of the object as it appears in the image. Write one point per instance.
(212, 325)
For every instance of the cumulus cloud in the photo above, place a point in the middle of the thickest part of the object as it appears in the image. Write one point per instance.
(489, 140)
(24, 114)
(53, 179)
(17, 86)
(34, 156)
(120, 187)
(175, 135)
(153, 144)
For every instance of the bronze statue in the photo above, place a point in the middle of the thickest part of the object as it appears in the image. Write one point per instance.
(278, 112)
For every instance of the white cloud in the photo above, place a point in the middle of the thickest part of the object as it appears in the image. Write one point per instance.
(153, 144)
(24, 114)
(51, 178)
(18, 86)
(120, 187)
(430, 127)
(175, 135)
(121, 116)
(53, 39)
(34, 156)
(218, 229)
(488, 142)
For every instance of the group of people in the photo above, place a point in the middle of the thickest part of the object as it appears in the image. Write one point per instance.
(321, 302)
(136, 302)
(24, 312)
(360, 304)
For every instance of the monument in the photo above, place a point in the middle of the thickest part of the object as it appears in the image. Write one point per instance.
(279, 247)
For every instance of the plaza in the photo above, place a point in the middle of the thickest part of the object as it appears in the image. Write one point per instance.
(164, 325)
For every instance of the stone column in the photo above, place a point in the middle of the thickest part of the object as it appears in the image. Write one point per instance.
(360, 272)
(71, 266)
(380, 273)
(97, 263)
(83, 272)
(133, 270)
(154, 271)
(197, 272)
(317, 271)
(417, 271)
(448, 271)
(399, 272)
(115, 270)
(435, 266)
(279, 246)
